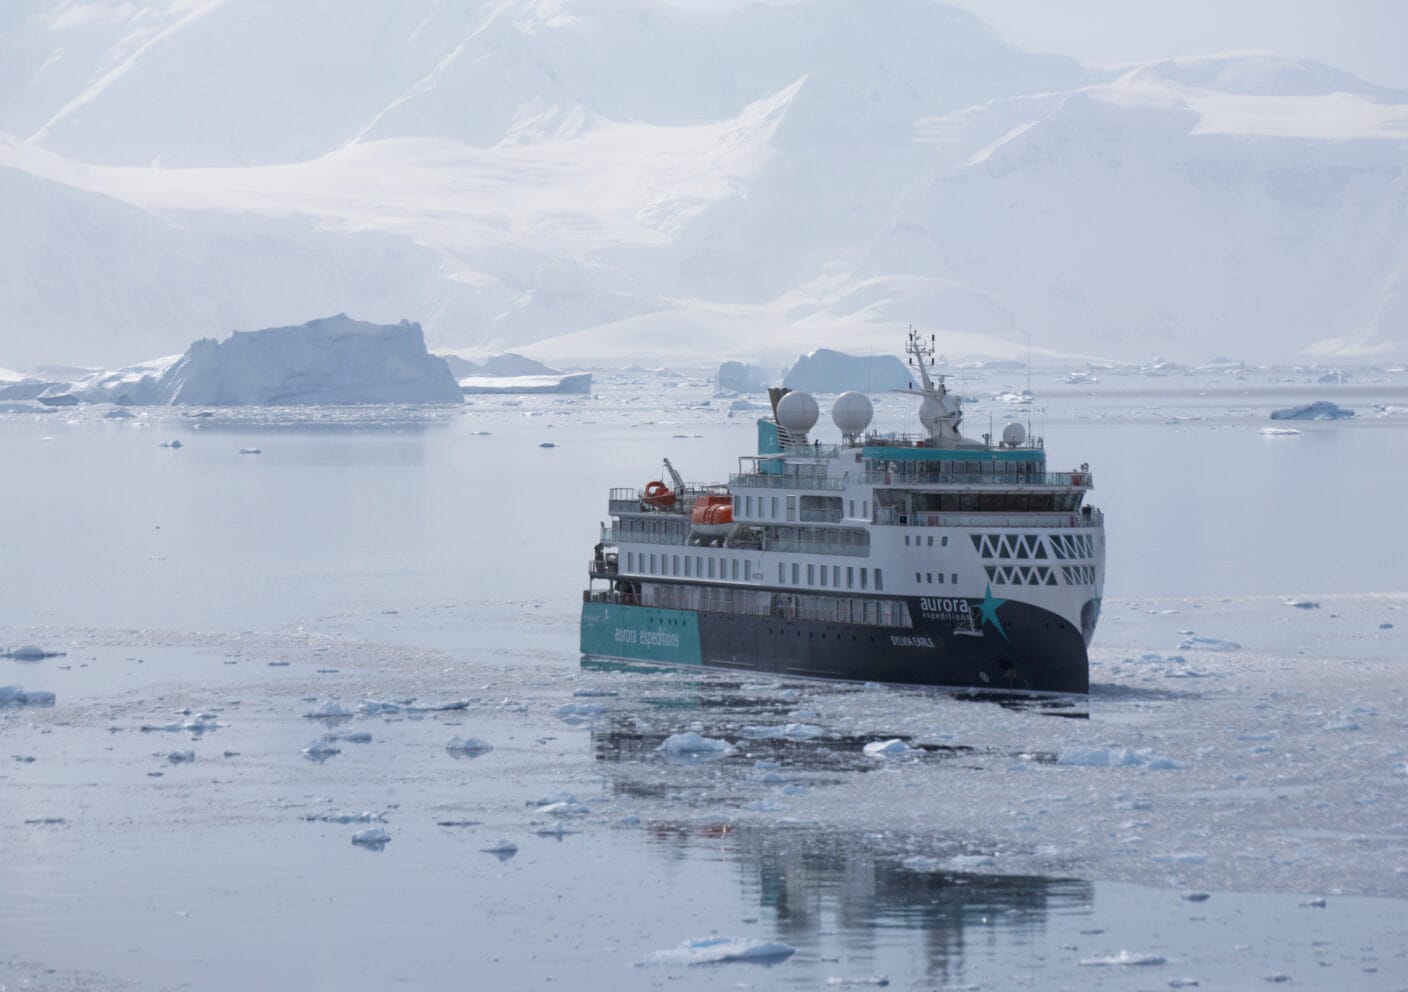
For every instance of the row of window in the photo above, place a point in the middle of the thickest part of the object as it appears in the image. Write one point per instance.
(782, 605)
(919, 539)
(690, 566)
(822, 508)
(829, 576)
(928, 577)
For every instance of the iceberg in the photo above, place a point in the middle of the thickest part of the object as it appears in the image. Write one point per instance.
(827, 371)
(335, 360)
(737, 377)
(513, 373)
(1319, 410)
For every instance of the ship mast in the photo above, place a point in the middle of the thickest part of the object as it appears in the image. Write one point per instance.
(940, 411)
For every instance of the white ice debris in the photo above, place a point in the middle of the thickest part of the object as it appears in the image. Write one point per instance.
(957, 863)
(1122, 958)
(691, 744)
(503, 850)
(1280, 432)
(589, 692)
(13, 695)
(251, 451)
(330, 710)
(578, 713)
(374, 838)
(472, 746)
(180, 757)
(892, 748)
(1207, 644)
(382, 707)
(1116, 757)
(715, 950)
(366, 816)
(786, 732)
(321, 749)
(1302, 604)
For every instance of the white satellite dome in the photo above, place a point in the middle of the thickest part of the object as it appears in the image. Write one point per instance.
(1014, 434)
(797, 412)
(852, 413)
(931, 413)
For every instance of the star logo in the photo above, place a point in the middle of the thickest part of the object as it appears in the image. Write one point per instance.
(988, 610)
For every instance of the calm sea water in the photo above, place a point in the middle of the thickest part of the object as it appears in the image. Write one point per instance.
(378, 554)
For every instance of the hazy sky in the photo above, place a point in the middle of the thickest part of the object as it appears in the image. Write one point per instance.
(1365, 37)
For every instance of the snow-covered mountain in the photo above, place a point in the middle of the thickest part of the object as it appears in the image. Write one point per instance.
(589, 180)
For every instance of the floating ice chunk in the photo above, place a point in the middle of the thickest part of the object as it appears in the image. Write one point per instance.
(589, 692)
(892, 748)
(691, 744)
(786, 732)
(199, 724)
(1302, 604)
(119, 414)
(568, 807)
(366, 816)
(251, 451)
(13, 695)
(471, 747)
(957, 863)
(579, 712)
(378, 707)
(1116, 757)
(547, 444)
(503, 850)
(373, 838)
(180, 757)
(172, 444)
(1319, 410)
(1280, 432)
(1401, 768)
(356, 737)
(320, 750)
(967, 862)
(716, 950)
(1196, 896)
(331, 710)
(30, 652)
(1208, 644)
(1123, 958)
(842, 983)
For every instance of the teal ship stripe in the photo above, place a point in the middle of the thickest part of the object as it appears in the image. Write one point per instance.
(641, 633)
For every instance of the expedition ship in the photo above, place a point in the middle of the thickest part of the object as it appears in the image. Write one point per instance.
(932, 559)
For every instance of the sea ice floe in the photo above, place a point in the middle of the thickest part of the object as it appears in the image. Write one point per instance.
(180, 757)
(30, 652)
(1123, 958)
(693, 745)
(382, 707)
(320, 750)
(589, 692)
(716, 950)
(468, 746)
(1280, 432)
(579, 713)
(1301, 604)
(373, 838)
(1208, 644)
(13, 695)
(251, 451)
(503, 850)
(786, 732)
(1319, 410)
(892, 748)
(352, 737)
(366, 816)
(330, 710)
(198, 724)
(1116, 757)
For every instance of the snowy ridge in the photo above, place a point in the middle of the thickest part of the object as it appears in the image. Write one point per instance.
(581, 181)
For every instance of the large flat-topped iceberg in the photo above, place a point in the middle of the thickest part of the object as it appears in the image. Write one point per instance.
(335, 360)
(827, 371)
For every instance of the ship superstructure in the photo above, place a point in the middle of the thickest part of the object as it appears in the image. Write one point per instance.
(933, 559)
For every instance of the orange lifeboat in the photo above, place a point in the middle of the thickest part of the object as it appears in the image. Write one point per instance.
(713, 515)
(658, 494)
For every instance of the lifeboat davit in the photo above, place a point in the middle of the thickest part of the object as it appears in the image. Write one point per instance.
(658, 494)
(712, 516)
